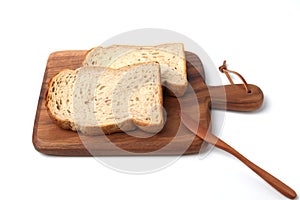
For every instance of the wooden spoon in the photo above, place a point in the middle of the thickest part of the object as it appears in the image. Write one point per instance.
(214, 140)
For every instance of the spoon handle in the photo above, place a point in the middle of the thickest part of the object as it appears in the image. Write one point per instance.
(205, 135)
(273, 181)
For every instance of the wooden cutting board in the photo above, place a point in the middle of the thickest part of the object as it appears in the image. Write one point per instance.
(173, 139)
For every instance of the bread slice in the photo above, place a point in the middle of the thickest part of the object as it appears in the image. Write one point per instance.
(171, 58)
(95, 100)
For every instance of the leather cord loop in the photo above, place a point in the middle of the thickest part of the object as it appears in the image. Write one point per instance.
(223, 69)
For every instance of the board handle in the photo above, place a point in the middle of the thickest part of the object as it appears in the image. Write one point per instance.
(235, 97)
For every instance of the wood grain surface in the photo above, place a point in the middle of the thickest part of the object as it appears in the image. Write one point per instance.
(173, 139)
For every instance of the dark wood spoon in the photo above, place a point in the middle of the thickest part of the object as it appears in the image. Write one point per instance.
(214, 140)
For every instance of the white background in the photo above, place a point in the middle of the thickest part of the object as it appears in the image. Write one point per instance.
(260, 39)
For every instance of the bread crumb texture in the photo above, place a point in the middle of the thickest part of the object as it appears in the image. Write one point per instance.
(171, 58)
(97, 100)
